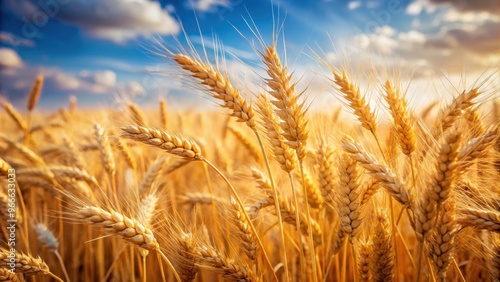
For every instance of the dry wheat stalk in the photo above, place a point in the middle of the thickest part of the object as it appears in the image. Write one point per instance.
(449, 114)
(364, 254)
(105, 151)
(382, 259)
(18, 119)
(24, 263)
(288, 109)
(441, 246)
(172, 144)
(136, 115)
(283, 154)
(401, 116)
(480, 219)
(214, 260)
(439, 186)
(220, 88)
(118, 224)
(35, 93)
(187, 251)
(357, 102)
(380, 173)
(349, 208)
(248, 241)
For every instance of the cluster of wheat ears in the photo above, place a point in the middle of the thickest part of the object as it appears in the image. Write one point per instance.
(283, 195)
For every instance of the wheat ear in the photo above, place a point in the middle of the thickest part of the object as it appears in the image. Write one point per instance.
(453, 111)
(348, 197)
(136, 114)
(379, 172)
(440, 186)
(105, 151)
(187, 252)
(118, 224)
(172, 144)
(364, 253)
(249, 145)
(480, 219)
(127, 154)
(163, 114)
(288, 108)
(214, 260)
(382, 262)
(248, 241)
(356, 102)
(24, 263)
(18, 119)
(283, 154)
(442, 240)
(327, 177)
(219, 87)
(401, 116)
(151, 175)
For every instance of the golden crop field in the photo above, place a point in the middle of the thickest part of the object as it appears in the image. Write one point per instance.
(261, 189)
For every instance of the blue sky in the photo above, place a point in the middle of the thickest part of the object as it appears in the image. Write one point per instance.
(99, 50)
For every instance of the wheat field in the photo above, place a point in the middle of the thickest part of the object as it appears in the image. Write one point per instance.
(262, 189)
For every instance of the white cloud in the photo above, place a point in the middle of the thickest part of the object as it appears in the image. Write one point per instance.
(10, 59)
(207, 5)
(353, 5)
(14, 40)
(415, 8)
(116, 20)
